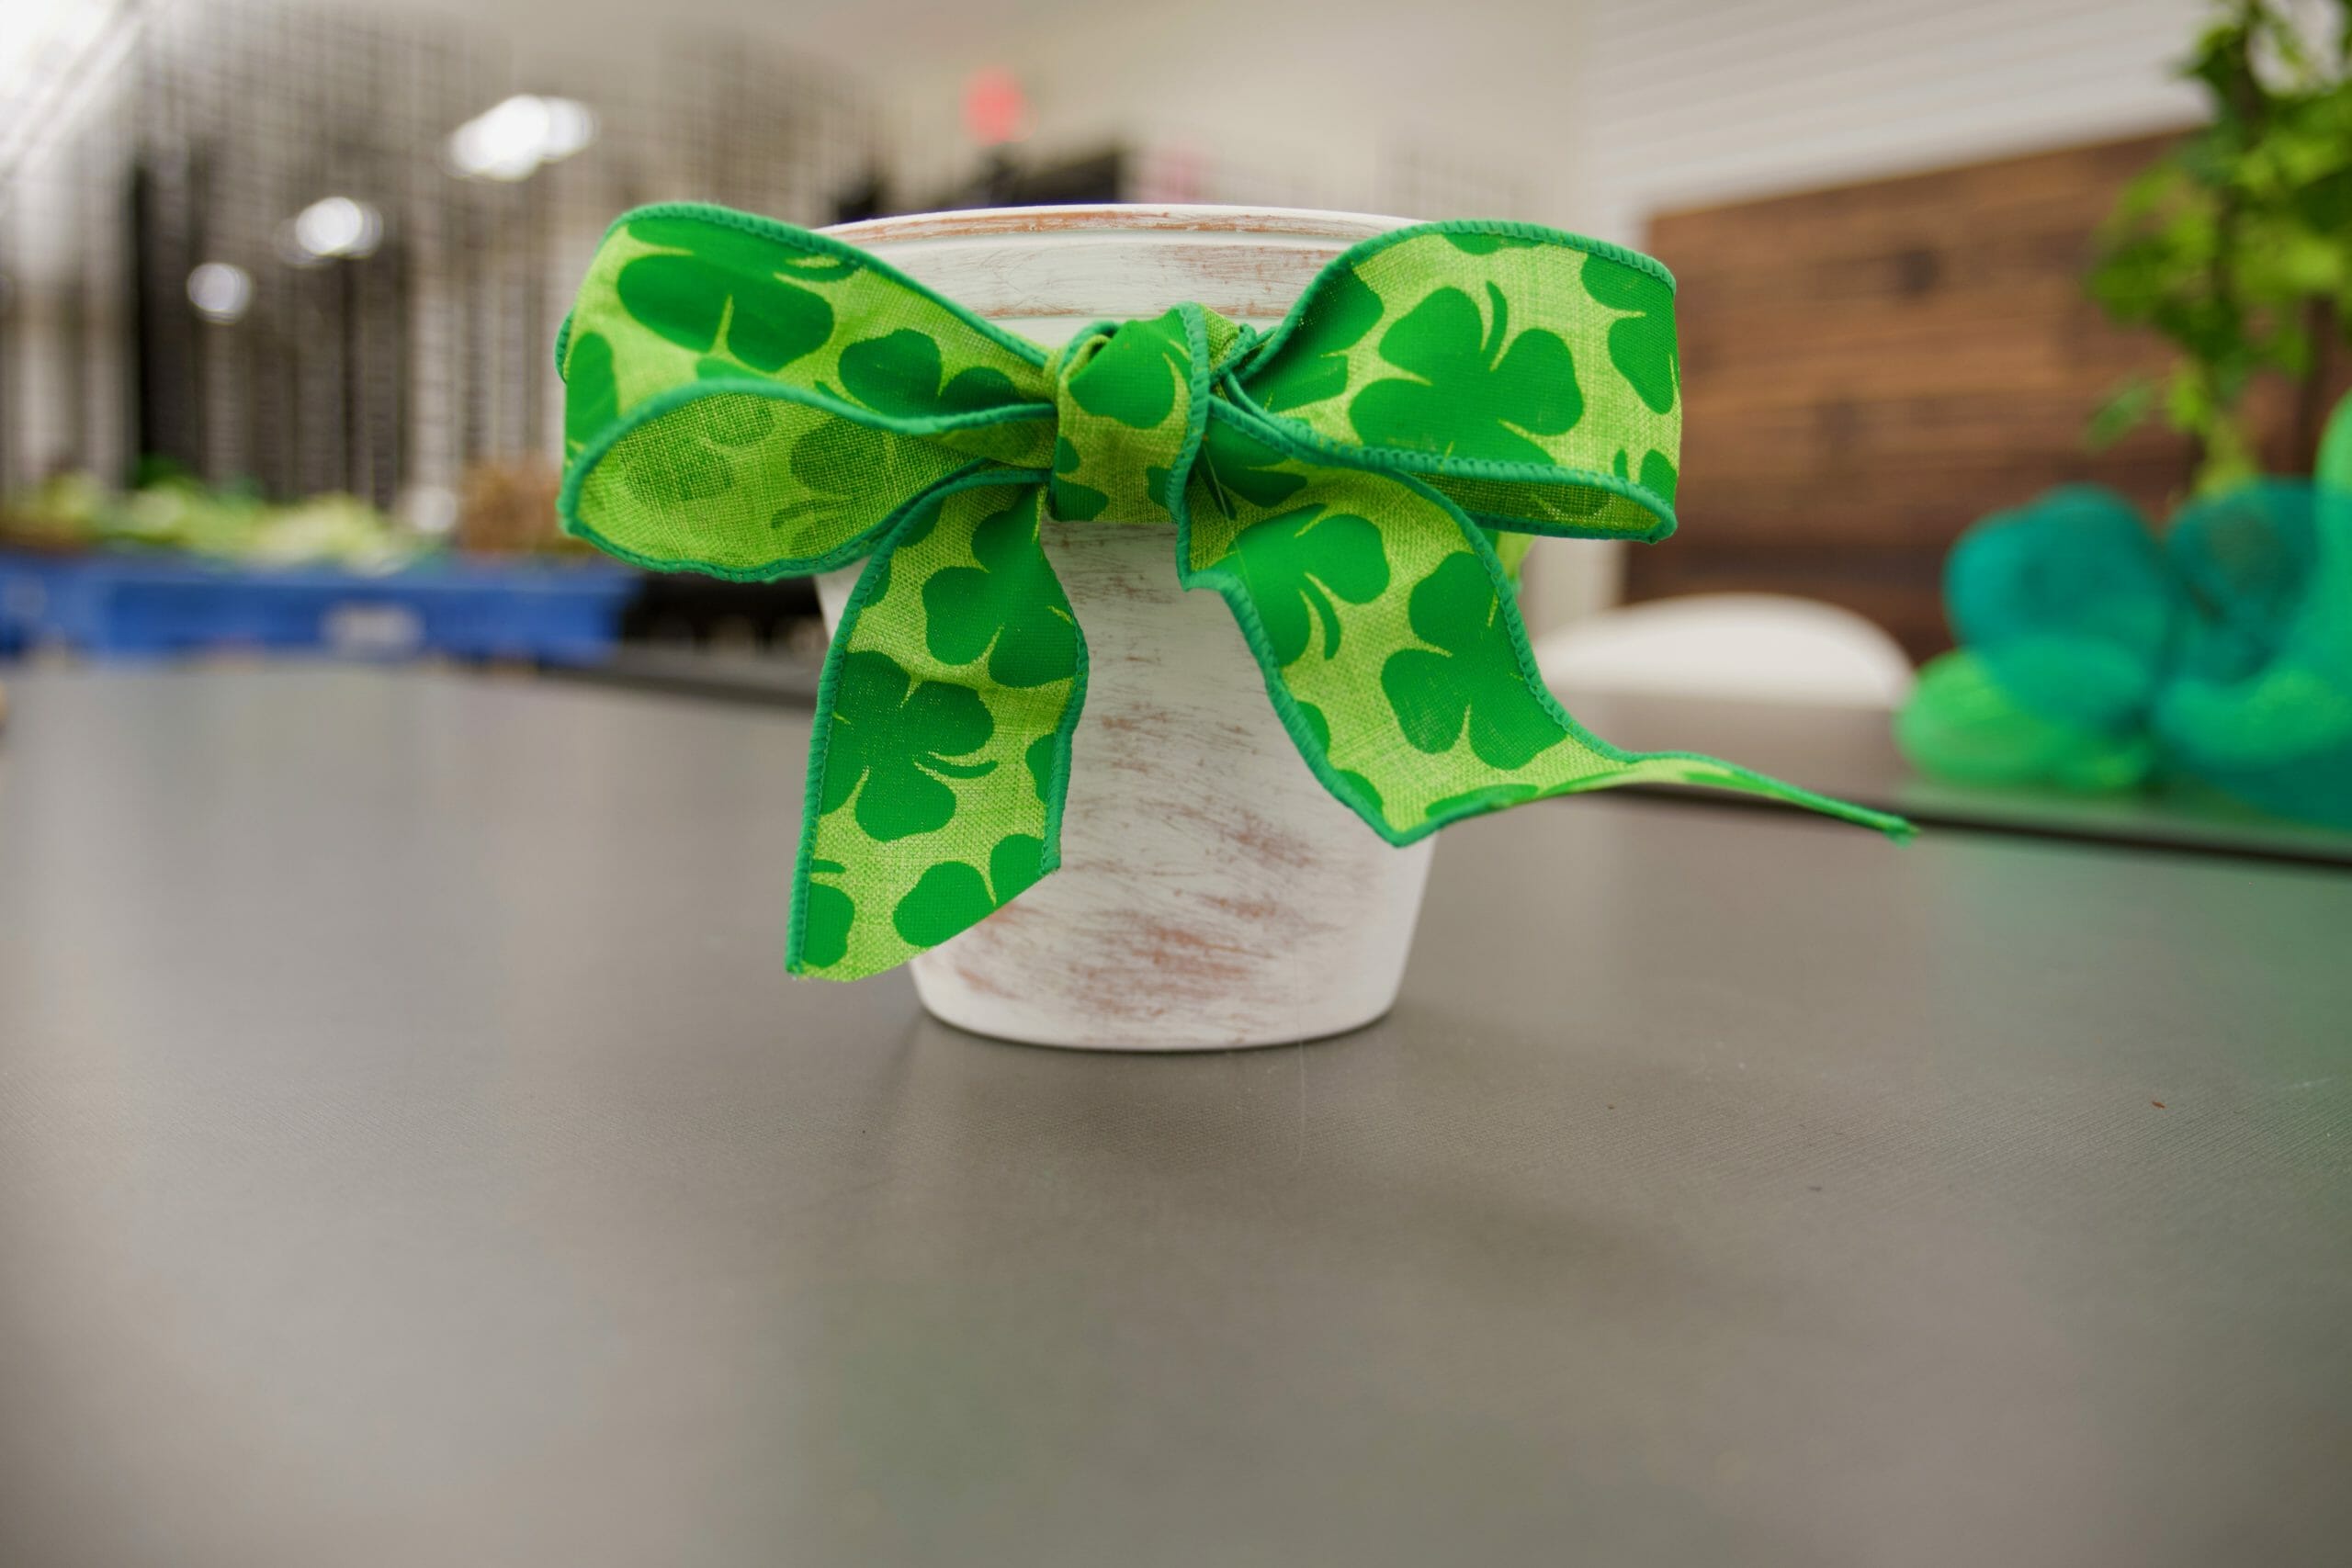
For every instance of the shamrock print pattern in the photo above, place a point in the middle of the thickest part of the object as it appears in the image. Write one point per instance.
(1422, 711)
(1641, 343)
(1473, 390)
(963, 584)
(1471, 674)
(1319, 727)
(1473, 245)
(954, 894)
(751, 401)
(744, 482)
(1009, 608)
(1545, 284)
(825, 915)
(1297, 562)
(1313, 365)
(899, 373)
(1136, 375)
(1073, 501)
(719, 291)
(1236, 469)
(702, 444)
(894, 743)
(592, 396)
(1123, 405)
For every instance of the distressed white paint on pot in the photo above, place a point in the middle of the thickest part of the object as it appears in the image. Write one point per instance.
(1212, 893)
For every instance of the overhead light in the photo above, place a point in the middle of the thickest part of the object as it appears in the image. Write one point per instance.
(220, 291)
(510, 141)
(337, 226)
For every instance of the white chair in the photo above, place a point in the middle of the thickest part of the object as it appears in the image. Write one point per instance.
(1744, 647)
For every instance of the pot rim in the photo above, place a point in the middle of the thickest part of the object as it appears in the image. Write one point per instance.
(982, 223)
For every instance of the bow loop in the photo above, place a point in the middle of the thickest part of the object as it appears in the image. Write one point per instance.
(751, 401)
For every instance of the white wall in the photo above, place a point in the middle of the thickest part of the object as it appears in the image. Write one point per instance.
(1347, 105)
(1711, 100)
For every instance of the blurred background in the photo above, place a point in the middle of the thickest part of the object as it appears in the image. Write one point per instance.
(278, 282)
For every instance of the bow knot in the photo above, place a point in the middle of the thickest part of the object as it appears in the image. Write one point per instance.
(752, 401)
(1130, 405)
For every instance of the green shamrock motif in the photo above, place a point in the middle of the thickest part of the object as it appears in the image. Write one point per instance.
(953, 896)
(1658, 471)
(827, 915)
(1321, 727)
(1475, 676)
(898, 373)
(1073, 501)
(591, 395)
(1492, 797)
(1040, 757)
(695, 459)
(896, 735)
(829, 461)
(832, 463)
(1487, 245)
(1133, 378)
(1010, 607)
(1295, 563)
(1314, 363)
(1239, 468)
(723, 294)
(1641, 344)
(1478, 393)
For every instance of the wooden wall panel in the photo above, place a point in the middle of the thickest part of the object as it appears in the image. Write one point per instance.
(1868, 370)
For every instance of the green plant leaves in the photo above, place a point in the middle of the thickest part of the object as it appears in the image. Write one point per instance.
(1010, 607)
(1296, 564)
(896, 736)
(953, 896)
(1479, 392)
(1474, 678)
(722, 295)
(898, 373)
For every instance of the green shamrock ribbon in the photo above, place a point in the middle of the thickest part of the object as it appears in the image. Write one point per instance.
(751, 401)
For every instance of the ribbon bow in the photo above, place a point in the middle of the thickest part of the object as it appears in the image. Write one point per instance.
(752, 401)
(2096, 656)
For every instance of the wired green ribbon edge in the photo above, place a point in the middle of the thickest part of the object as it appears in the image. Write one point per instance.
(752, 401)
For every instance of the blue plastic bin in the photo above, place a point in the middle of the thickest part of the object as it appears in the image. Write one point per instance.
(135, 607)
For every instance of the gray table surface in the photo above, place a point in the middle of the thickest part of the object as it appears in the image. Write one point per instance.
(1846, 752)
(413, 1152)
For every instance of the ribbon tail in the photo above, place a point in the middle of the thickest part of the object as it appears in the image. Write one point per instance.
(940, 759)
(1389, 635)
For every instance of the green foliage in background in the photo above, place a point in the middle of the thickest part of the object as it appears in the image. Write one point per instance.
(174, 512)
(2237, 245)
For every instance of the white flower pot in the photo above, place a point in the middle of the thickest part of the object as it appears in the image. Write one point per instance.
(1212, 893)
